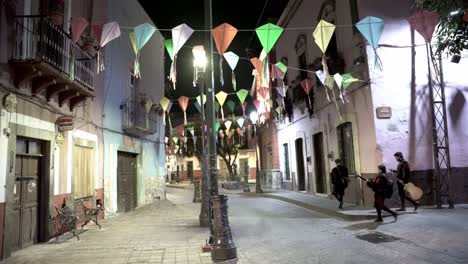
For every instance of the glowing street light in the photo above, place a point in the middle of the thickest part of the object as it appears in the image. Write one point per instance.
(199, 64)
(254, 118)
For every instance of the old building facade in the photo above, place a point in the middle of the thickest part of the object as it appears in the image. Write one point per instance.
(308, 144)
(63, 126)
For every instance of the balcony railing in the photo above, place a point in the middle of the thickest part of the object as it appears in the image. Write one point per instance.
(39, 40)
(138, 119)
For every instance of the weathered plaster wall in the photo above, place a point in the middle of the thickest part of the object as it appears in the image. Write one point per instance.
(403, 85)
(119, 61)
(358, 111)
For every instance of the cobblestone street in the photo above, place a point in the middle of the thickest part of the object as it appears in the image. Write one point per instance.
(265, 231)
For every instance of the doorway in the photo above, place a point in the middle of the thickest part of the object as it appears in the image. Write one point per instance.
(300, 165)
(320, 178)
(190, 170)
(126, 182)
(29, 205)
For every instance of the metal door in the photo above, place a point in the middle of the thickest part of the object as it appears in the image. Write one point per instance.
(190, 170)
(26, 196)
(319, 164)
(126, 182)
(300, 165)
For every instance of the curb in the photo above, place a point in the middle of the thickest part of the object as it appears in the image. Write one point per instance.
(325, 211)
(188, 187)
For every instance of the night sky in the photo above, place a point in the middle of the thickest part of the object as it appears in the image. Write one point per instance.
(242, 14)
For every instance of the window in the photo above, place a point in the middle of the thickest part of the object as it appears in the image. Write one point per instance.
(287, 176)
(83, 171)
(345, 146)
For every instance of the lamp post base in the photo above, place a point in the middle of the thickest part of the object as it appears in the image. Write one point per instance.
(223, 247)
(204, 220)
(196, 191)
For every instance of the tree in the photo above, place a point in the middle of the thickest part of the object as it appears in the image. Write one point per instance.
(452, 31)
(228, 150)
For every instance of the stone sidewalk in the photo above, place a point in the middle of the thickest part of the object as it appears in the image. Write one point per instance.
(164, 232)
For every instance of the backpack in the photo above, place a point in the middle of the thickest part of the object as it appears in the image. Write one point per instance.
(388, 190)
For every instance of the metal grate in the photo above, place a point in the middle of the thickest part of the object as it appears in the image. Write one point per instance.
(377, 237)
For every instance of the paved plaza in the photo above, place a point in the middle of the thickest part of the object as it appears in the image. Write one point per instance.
(265, 230)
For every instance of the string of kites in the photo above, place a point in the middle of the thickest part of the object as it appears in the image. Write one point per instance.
(370, 27)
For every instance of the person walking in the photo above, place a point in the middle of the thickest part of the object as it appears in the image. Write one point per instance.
(379, 185)
(403, 176)
(340, 179)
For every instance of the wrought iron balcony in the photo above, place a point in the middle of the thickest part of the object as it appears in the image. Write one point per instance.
(140, 117)
(46, 55)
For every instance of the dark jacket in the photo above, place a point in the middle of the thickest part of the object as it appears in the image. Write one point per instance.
(378, 185)
(339, 177)
(403, 171)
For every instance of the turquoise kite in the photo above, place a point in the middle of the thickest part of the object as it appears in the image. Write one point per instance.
(371, 28)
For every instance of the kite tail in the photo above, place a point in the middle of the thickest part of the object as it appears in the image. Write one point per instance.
(310, 103)
(266, 70)
(170, 123)
(336, 104)
(328, 96)
(252, 90)
(234, 83)
(243, 111)
(377, 61)
(136, 66)
(342, 96)
(195, 73)
(172, 75)
(185, 118)
(222, 113)
(221, 75)
(164, 118)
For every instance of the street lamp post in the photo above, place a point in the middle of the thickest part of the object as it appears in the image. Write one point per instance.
(254, 119)
(199, 63)
(222, 245)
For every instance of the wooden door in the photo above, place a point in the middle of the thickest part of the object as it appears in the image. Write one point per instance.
(126, 182)
(26, 191)
(190, 170)
(320, 174)
(300, 165)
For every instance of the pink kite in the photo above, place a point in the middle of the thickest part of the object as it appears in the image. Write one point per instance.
(307, 85)
(78, 26)
(97, 29)
(183, 102)
(424, 22)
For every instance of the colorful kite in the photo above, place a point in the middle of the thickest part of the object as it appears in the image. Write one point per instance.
(165, 104)
(232, 106)
(110, 31)
(221, 96)
(278, 70)
(200, 98)
(268, 35)
(242, 94)
(170, 50)
(104, 34)
(371, 28)
(180, 35)
(240, 121)
(228, 124)
(424, 22)
(78, 26)
(183, 102)
(322, 35)
(232, 59)
(143, 34)
(307, 85)
(223, 36)
(197, 105)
